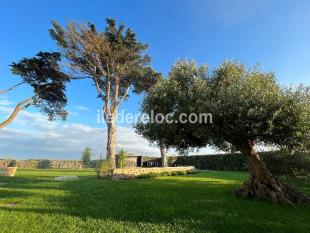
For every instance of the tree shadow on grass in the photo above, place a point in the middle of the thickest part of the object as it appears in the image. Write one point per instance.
(196, 202)
(36, 182)
(8, 194)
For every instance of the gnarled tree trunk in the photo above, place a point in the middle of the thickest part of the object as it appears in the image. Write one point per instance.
(263, 185)
(163, 154)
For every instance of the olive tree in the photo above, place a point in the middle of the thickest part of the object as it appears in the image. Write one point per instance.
(43, 74)
(148, 126)
(166, 101)
(113, 60)
(248, 108)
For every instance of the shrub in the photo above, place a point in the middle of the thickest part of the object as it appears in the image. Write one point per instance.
(12, 163)
(170, 173)
(86, 156)
(278, 162)
(121, 159)
(44, 163)
(286, 163)
(234, 162)
(103, 168)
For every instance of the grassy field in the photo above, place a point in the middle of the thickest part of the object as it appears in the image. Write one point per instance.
(33, 202)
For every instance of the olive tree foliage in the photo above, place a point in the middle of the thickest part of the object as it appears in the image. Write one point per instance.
(249, 105)
(113, 59)
(170, 98)
(44, 75)
(249, 108)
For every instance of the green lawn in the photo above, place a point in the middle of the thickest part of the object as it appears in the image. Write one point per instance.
(33, 202)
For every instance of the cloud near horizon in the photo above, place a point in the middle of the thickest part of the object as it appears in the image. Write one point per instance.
(82, 108)
(32, 136)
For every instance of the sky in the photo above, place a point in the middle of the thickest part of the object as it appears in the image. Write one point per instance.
(274, 34)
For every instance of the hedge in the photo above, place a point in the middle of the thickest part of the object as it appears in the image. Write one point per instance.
(278, 162)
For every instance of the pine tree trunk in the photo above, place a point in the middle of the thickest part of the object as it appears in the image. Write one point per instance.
(111, 143)
(263, 185)
(163, 153)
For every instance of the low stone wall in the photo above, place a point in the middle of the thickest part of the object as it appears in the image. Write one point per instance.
(45, 163)
(29, 164)
(66, 164)
(132, 173)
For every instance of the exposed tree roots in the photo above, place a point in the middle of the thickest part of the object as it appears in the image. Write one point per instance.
(263, 185)
(271, 189)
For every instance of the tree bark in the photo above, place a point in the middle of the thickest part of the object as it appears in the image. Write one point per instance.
(263, 185)
(21, 106)
(111, 143)
(163, 153)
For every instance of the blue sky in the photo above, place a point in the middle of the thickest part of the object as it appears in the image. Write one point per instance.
(275, 34)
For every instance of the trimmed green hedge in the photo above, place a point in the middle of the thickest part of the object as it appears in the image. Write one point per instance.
(172, 173)
(234, 162)
(278, 162)
(284, 163)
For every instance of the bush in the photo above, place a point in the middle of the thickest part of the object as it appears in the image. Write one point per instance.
(171, 173)
(278, 162)
(86, 156)
(44, 163)
(234, 162)
(12, 163)
(121, 159)
(286, 163)
(103, 168)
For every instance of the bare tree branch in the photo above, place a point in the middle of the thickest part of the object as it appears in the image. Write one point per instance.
(125, 95)
(19, 107)
(11, 88)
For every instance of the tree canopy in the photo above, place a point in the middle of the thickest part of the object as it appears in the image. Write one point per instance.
(176, 95)
(44, 75)
(248, 107)
(246, 104)
(113, 59)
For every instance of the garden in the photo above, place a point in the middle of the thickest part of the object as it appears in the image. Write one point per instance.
(217, 146)
(200, 202)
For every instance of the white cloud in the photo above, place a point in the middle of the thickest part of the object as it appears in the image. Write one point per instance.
(82, 108)
(73, 113)
(5, 102)
(31, 135)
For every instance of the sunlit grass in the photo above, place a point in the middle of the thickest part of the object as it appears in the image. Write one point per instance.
(33, 202)
(209, 177)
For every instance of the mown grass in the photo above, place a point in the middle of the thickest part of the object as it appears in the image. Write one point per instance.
(33, 202)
